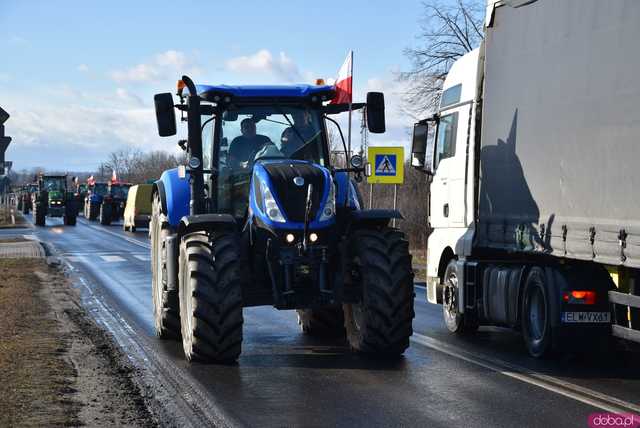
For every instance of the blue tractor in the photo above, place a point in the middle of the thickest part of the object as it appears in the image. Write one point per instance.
(93, 199)
(261, 216)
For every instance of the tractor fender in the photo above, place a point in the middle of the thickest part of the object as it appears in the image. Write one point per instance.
(212, 222)
(174, 195)
(374, 218)
(347, 194)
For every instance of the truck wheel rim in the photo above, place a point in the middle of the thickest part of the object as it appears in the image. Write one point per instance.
(450, 295)
(537, 315)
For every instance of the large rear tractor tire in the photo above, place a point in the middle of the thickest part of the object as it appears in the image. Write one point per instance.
(38, 215)
(456, 322)
(106, 211)
(166, 308)
(211, 297)
(382, 323)
(69, 220)
(323, 322)
(93, 210)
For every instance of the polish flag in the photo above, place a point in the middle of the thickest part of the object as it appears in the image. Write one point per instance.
(91, 181)
(114, 178)
(344, 86)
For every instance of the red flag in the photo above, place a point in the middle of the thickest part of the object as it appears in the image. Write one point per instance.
(114, 178)
(343, 85)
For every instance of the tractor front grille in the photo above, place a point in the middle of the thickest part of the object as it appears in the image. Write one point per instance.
(292, 198)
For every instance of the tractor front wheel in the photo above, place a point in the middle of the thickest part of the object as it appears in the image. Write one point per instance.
(106, 212)
(38, 215)
(382, 322)
(166, 309)
(210, 297)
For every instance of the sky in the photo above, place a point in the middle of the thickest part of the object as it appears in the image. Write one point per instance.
(78, 77)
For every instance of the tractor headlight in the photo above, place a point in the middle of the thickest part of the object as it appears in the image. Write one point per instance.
(271, 208)
(329, 209)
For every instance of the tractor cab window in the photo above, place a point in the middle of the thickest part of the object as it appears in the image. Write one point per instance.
(100, 189)
(120, 191)
(54, 184)
(251, 133)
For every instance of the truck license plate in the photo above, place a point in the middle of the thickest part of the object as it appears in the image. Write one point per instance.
(588, 317)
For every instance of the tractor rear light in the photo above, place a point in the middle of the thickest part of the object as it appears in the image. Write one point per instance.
(580, 297)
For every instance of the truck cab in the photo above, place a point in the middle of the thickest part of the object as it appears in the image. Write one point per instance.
(448, 155)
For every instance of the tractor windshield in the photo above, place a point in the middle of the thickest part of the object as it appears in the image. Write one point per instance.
(253, 132)
(100, 189)
(120, 191)
(54, 184)
(250, 133)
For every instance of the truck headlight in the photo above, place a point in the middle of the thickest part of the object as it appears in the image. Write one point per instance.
(271, 208)
(329, 209)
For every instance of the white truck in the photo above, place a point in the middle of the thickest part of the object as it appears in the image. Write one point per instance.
(533, 163)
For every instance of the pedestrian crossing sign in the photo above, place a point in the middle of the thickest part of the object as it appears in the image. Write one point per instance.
(387, 165)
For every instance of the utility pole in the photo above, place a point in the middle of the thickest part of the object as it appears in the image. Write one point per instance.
(4, 141)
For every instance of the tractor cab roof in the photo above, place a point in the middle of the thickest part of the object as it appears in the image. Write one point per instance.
(263, 92)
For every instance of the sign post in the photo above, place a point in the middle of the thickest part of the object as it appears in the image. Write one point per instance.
(4, 141)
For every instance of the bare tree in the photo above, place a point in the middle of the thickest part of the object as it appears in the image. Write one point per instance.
(134, 166)
(448, 31)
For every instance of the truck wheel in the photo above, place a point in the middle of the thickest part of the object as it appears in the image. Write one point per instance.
(328, 322)
(166, 309)
(455, 321)
(536, 319)
(210, 297)
(105, 214)
(381, 263)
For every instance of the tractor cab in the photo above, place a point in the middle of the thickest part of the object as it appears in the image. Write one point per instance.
(261, 216)
(52, 199)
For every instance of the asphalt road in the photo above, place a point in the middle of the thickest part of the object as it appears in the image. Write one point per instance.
(284, 378)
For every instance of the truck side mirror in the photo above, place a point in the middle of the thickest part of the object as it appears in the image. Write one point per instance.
(422, 148)
(375, 112)
(165, 114)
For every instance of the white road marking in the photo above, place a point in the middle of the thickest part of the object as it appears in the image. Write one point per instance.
(112, 259)
(126, 238)
(76, 259)
(558, 386)
(143, 257)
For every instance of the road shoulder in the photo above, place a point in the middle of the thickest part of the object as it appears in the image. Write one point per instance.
(59, 368)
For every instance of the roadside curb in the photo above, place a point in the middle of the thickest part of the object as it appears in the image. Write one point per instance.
(22, 249)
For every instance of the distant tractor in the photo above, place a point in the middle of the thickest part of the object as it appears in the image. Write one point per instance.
(260, 216)
(93, 199)
(113, 202)
(81, 193)
(24, 197)
(53, 199)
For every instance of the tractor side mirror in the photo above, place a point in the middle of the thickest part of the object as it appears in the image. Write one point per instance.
(375, 112)
(165, 114)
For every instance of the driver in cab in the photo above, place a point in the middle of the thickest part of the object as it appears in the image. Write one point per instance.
(295, 137)
(244, 148)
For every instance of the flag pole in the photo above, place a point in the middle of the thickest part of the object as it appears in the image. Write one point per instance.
(350, 105)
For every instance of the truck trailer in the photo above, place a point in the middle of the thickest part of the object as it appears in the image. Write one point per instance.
(532, 160)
